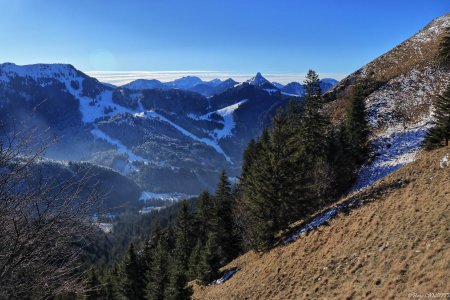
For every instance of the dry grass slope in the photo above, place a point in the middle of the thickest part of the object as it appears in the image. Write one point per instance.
(397, 243)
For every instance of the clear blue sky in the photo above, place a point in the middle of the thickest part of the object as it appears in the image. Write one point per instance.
(329, 36)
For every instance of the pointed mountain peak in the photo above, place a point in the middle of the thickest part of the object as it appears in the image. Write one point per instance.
(257, 80)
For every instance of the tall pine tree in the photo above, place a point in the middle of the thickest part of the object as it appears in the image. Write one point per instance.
(210, 260)
(205, 216)
(131, 276)
(225, 227)
(176, 288)
(261, 206)
(440, 134)
(312, 144)
(157, 276)
(194, 271)
(357, 127)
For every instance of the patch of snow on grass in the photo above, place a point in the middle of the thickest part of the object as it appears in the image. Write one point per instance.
(444, 162)
(436, 28)
(226, 276)
(321, 219)
(390, 153)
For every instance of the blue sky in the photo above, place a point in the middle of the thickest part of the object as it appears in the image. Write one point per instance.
(232, 37)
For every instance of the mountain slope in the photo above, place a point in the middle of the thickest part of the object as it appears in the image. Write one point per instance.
(396, 243)
(400, 85)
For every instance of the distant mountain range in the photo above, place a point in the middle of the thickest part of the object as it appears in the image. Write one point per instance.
(168, 137)
(217, 86)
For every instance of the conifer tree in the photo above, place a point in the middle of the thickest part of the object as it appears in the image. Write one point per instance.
(440, 134)
(210, 260)
(224, 211)
(146, 260)
(205, 216)
(312, 144)
(283, 167)
(312, 135)
(357, 127)
(194, 271)
(158, 274)
(131, 276)
(260, 197)
(249, 156)
(176, 288)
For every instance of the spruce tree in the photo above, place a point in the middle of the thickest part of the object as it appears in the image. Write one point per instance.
(131, 276)
(158, 274)
(224, 211)
(357, 127)
(146, 259)
(176, 288)
(210, 261)
(312, 147)
(260, 197)
(194, 261)
(205, 216)
(440, 134)
(312, 134)
(248, 157)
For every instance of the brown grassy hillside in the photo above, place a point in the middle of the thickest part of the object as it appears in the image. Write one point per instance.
(397, 243)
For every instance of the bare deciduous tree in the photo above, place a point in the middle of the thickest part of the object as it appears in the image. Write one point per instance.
(44, 222)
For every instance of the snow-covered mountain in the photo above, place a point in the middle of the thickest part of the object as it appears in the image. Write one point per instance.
(187, 83)
(184, 83)
(167, 140)
(259, 81)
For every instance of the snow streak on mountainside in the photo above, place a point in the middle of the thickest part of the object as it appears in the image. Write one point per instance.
(209, 142)
(228, 120)
(121, 148)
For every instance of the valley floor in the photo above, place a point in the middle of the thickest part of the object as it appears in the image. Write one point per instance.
(396, 245)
